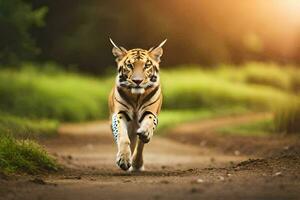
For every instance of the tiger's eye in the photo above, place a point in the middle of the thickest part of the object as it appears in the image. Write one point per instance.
(129, 65)
(148, 64)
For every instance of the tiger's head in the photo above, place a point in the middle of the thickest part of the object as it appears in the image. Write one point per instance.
(138, 69)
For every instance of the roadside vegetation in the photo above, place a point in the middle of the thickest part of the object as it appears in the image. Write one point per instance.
(44, 92)
(18, 152)
(258, 128)
(193, 88)
(266, 74)
(26, 128)
(287, 118)
(24, 156)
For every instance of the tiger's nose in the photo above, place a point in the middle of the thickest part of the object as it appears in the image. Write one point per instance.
(137, 81)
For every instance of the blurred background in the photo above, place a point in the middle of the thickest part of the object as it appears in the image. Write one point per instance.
(225, 57)
(75, 33)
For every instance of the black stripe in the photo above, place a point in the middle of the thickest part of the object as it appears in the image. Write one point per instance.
(121, 103)
(144, 115)
(151, 103)
(124, 85)
(151, 94)
(124, 96)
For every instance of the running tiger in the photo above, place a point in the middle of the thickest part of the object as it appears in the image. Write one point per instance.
(135, 103)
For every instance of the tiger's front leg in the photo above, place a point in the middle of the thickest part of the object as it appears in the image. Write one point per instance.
(147, 127)
(145, 133)
(120, 133)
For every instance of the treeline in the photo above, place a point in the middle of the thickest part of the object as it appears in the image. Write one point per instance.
(75, 33)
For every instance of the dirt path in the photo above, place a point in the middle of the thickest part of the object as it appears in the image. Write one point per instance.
(178, 166)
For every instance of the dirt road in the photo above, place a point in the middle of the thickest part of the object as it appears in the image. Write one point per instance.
(190, 162)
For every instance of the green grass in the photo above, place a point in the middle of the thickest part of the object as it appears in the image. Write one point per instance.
(190, 93)
(258, 128)
(25, 128)
(283, 77)
(62, 96)
(171, 118)
(287, 118)
(195, 88)
(69, 97)
(56, 95)
(23, 156)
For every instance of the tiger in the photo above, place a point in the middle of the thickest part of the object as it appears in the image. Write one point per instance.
(135, 102)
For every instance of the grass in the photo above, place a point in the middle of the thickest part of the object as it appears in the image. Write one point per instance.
(287, 118)
(25, 128)
(258, 128)
(255, 87)
(57, 95)
(23, 156)
(267, 74)
(286, 121)
(195, 88)
(53, 94)
(171, 118)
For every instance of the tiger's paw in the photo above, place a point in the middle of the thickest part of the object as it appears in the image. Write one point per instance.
(137, 169)
(145, 134)
(123, 160)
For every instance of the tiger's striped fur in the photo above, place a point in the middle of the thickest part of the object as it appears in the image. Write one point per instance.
(135, 103)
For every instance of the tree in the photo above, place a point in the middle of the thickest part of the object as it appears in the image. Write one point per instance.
(17, 17)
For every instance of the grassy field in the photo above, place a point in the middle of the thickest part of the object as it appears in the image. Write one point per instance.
(169, 118)
(25, 128)
(52, 95)
(35, 99)
(258, 128)
(46, 94)
(267, 74)
(287, 118)
(61, 96)
(204, 89)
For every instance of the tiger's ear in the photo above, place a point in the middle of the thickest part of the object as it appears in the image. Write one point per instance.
(157, 52)
(118, 52)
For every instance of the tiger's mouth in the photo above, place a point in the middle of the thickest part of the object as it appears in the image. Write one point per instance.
(137, 87)
(137, 90)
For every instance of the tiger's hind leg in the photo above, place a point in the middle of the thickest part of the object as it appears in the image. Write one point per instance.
(136, 146)
(137, 158)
